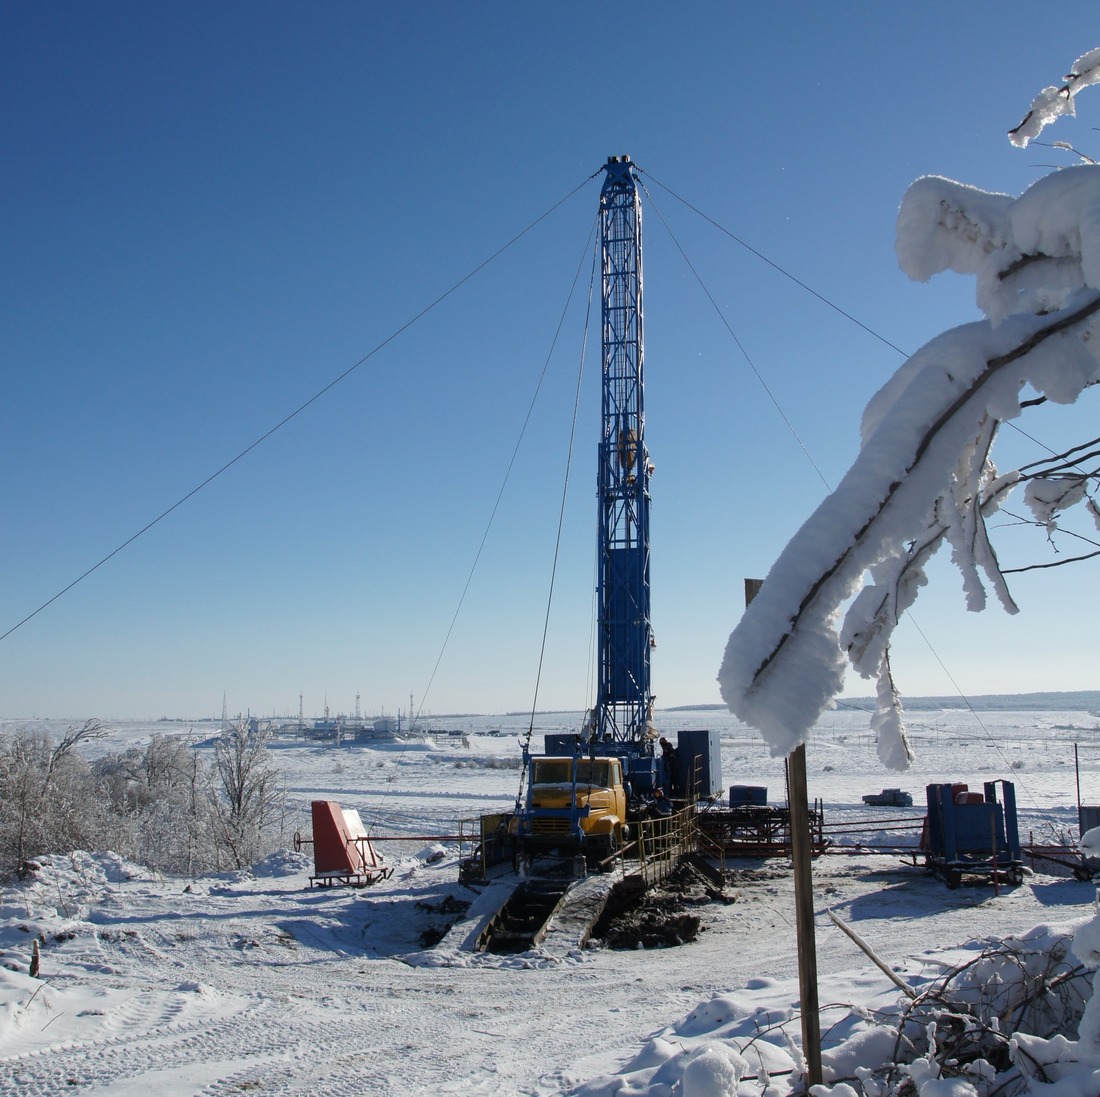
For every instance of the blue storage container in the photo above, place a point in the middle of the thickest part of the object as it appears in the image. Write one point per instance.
(748, 796)
(972, 832)
(699, 760)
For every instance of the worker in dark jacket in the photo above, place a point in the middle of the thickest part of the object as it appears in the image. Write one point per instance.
(659, 807)
(654, 833)
(671, 765)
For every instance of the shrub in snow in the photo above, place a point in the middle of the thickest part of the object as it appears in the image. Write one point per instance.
(160, 796)
(961, 1035)
(47, 803)
(1057, 1066)
(156, 804)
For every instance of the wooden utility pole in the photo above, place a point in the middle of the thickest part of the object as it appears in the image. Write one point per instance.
(798, 803)
(804, 916)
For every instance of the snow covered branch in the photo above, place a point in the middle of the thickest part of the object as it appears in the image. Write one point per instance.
(1054, 103)
(924, 474)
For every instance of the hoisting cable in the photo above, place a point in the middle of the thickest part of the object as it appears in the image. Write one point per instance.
(511, 465)
(973, 712)
(302, 407)
(821, 297)
(775, 266)
(966, 701)
(740, 345)
(561, 511)
(593, 638)
(503, 485)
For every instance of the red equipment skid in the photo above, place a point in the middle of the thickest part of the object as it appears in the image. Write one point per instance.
(342, 850)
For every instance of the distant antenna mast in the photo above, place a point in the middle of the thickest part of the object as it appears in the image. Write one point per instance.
(357, 717)
(301, 714)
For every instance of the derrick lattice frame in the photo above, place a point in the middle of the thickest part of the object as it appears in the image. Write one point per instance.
(624, 700)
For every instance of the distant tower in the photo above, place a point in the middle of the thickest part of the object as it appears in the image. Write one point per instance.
(225, 713)
(301, 714)
(357, 717)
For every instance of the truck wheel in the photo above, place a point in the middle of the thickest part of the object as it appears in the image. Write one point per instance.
(606, 848)
(618, 837)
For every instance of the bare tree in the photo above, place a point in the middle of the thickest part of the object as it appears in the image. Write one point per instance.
(248, 799)
(156, 804)
(162, 812)
(47, 800)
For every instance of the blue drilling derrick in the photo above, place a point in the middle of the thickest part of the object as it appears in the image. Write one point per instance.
(584, 793)
(623, 701)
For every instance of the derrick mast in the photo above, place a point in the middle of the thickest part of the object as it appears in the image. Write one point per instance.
(585, 794)
(623, 700)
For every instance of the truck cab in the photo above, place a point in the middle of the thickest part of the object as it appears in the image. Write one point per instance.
(574, 805)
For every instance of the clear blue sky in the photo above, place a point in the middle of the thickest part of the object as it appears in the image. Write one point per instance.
(210, 211)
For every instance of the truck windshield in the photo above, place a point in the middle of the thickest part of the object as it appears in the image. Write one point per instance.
(557, 771)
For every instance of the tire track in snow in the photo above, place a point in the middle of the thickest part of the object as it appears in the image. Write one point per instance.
(75, 1067)
(259, 1053)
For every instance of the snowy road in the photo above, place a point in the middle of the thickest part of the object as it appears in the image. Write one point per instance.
(262, 984)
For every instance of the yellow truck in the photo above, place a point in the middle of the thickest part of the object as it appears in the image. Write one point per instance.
(574, 806)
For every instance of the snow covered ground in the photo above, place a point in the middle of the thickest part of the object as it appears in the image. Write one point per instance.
(253, 982)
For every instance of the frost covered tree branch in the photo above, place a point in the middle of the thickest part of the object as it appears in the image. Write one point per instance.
(922, 476)
(925, 475)
(1054, 103)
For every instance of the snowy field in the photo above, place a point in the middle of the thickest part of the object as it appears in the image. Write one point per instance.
(253, 982)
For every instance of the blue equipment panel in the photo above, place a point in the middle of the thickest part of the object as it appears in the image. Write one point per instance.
(748, 795)
(979, 837)
(699, 759)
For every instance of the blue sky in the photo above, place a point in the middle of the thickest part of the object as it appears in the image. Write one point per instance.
(211, 211)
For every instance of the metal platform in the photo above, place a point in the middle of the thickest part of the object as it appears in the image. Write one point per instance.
(350, 879)
(755, 830)
(522, 921)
